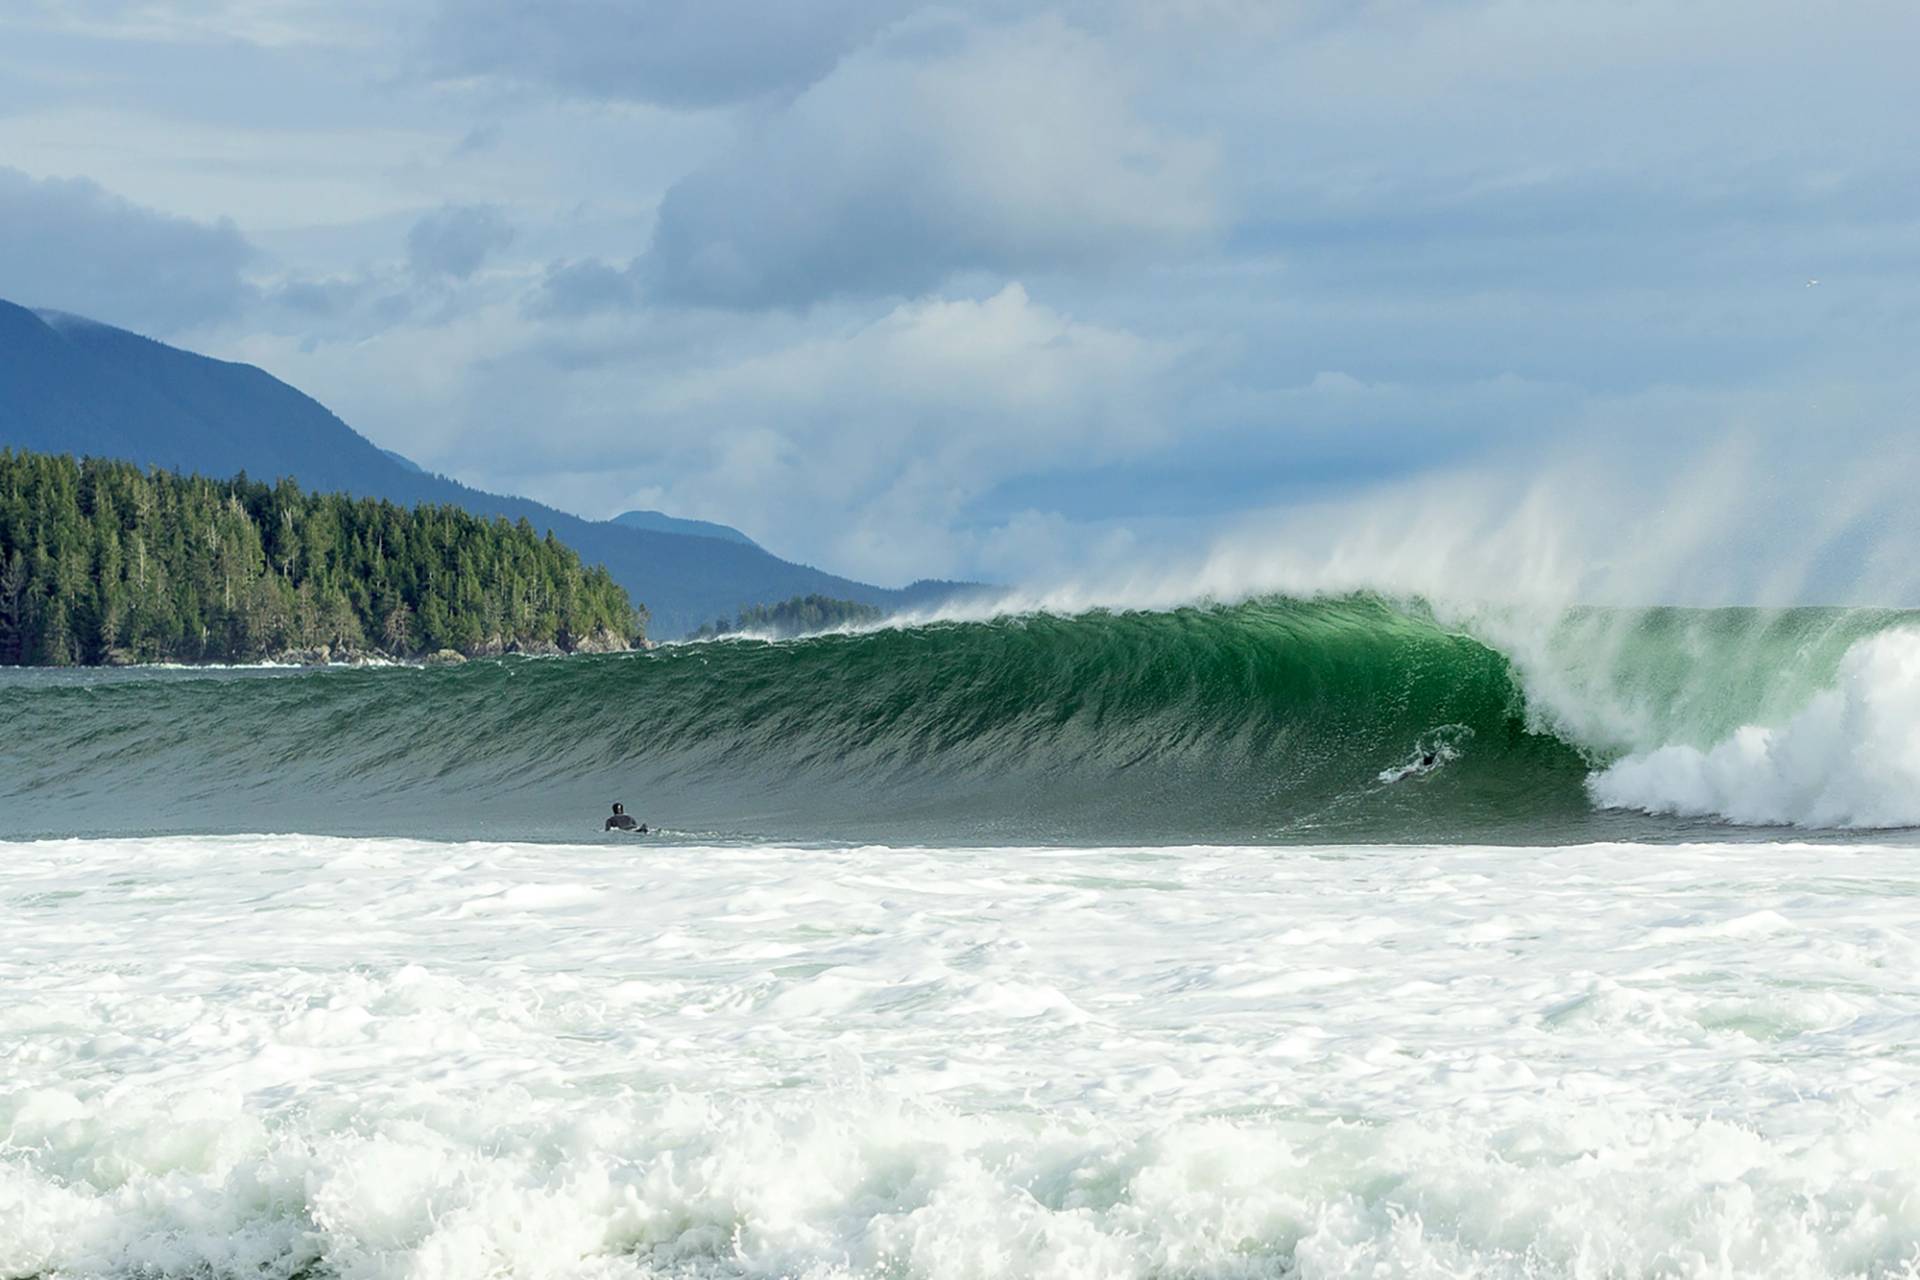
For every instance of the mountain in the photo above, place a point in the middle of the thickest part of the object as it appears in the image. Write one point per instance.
(404, 461)
(71, 385)
(661, 522)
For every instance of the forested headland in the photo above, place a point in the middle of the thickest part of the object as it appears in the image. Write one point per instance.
(799, 616)
(103, 562)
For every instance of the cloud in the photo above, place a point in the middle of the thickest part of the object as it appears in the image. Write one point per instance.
(856, 442)
(268, 23)
(452, 241)
(942, 150)
(74, 246)
(761, 255)
(657, 51)
(584, 287)
(900, 426)
(1030, 380)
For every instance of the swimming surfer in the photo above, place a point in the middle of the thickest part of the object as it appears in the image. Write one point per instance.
(623, 821)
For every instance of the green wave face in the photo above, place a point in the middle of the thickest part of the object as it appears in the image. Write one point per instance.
(1276, 720)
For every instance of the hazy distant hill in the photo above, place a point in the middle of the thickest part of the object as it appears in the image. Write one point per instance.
(660, 522)
(69, 385)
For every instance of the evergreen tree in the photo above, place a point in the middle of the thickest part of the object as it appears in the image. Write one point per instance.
(802, 615)
(100, 561)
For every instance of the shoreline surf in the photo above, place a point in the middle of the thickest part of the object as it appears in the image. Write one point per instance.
(296, 1056)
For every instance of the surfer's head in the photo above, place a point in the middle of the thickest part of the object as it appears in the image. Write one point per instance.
(618, 807)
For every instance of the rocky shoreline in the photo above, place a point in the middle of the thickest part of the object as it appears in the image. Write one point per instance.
(328, 656)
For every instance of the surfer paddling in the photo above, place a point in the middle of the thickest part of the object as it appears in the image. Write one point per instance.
(623, 821)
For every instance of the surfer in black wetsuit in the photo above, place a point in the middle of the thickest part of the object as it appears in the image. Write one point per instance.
(623, 821)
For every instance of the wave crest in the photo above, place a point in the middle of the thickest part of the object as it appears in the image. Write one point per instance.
(1276, 719)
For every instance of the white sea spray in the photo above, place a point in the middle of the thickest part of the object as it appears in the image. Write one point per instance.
(1849, 758)
(281, 1056)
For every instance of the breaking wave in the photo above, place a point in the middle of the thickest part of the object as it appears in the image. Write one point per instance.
(1276, 719)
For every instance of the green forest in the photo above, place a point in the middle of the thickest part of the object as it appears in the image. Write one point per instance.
(102, 562)
(798, 616)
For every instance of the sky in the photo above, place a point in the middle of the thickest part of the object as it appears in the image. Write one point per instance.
(998, 290)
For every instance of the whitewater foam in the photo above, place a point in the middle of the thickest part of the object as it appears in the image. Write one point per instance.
(1849, 758)
(288, 1056)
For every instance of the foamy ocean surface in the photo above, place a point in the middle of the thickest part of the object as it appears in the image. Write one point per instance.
(314, 1057)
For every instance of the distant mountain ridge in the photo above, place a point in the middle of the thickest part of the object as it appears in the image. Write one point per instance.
(72, 385)
(661, 522)
(403, 460)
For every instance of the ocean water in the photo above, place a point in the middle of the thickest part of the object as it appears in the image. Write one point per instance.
(1117, 945)
(298, 1056)
(1272, 721)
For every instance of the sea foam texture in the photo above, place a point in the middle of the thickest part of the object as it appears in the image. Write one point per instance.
(1849, 758)
(297, 1057)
